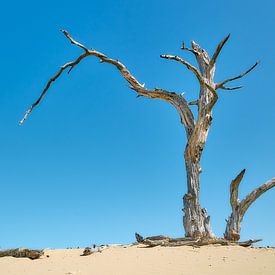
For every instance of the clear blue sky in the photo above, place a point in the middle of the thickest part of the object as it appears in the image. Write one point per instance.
(94, 164)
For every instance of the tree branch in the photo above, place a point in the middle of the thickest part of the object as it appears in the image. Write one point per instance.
(233, 224)
(176, 100)
(189, 49)
(255, 194)
(195, 102)
(221, 84)
(230, 88)
(74, 41)
(196, 242)
(187, 65)
(48, 85)
(234, 190)
(218, 50)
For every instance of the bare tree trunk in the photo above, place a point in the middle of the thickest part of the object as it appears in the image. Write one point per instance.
(239, 208)
(196, 221)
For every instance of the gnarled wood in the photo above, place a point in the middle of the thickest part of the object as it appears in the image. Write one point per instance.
(172, 242)
(91, 250)
(22, 253)
(233, 225)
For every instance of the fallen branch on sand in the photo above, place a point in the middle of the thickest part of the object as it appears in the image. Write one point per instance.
(90, 250)
(22, 253)
(171, 242)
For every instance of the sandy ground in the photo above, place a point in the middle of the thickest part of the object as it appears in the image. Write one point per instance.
(119, 260)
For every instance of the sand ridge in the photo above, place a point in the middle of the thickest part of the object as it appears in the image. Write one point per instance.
(137, 260)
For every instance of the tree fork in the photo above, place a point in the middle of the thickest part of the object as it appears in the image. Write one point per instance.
(239, 208)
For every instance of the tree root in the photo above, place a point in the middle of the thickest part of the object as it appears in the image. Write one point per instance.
(172, 242)
(22, 253)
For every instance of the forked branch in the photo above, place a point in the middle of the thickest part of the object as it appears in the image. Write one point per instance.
(239, 208)
(176, 100)
(189, 49)
(221, 84)
(195, 71)
(255, 194)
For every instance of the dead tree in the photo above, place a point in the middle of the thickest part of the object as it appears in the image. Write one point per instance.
(196, 221)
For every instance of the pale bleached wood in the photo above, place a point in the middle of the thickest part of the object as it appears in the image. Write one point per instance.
(175, 99)
(239, 208)
(186, 64)
(218, 50)
(173, 242)
(221, 84)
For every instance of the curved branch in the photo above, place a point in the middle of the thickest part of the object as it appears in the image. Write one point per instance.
(218, 50)
(186, 64)
(48, 85)
(230, 88)
(74, 41)
(234, 190)
(233, 225)
(221, 84)
(176, 100)
(255, 194)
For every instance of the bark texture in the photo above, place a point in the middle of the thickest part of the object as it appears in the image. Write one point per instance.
(196, 221)
(239, 208)
(172, 242)
(22, 253)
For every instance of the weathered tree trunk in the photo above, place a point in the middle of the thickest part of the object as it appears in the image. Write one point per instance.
(239, 208)
(196, 221)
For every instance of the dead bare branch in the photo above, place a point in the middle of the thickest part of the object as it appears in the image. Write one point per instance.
(230, 88)
(187, 65)
(176, 100)
(48, 85)
(255, 194)
(234, 189)
(221, 84)
(173, 242)
(233, 226)
(74, 41)
(22, 253)
(189, 49)
(218, 50)
(196, 102)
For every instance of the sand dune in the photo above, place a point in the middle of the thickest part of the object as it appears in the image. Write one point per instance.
(119, 260)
